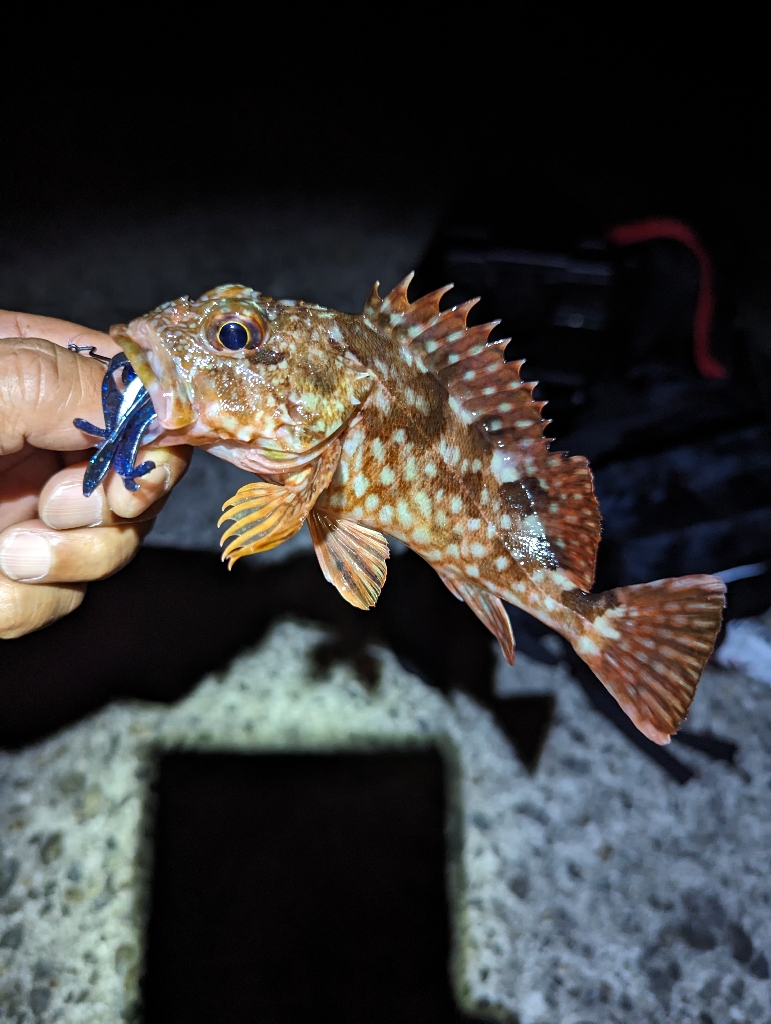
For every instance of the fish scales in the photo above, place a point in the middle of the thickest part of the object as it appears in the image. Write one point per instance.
(413, 469)
(405, 422)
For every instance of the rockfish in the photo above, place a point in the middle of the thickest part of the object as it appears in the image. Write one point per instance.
(406, 421)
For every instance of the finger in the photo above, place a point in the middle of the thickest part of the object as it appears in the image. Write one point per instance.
(20, 486)
(42, 389)
(31, 552)
(60, 332)
(171, 464)
(62, 505)
(24, 609)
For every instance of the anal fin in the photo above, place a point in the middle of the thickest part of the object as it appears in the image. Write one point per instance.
(352, 557)
(488, 609)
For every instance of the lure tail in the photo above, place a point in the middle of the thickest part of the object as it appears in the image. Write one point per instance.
(650, 645)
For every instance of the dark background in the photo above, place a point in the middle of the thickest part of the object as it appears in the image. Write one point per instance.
(605, 126)
(543, 136)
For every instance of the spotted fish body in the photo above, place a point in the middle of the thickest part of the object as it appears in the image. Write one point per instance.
(405, 421)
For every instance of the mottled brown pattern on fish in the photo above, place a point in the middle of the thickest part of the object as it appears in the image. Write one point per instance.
(393, 475)
(305, 383)
(441, 445)
(435, 491)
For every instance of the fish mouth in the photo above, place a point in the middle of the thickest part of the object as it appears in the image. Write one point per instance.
(169, 394)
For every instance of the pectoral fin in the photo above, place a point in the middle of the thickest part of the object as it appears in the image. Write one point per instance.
(352, 557)
(266, 514)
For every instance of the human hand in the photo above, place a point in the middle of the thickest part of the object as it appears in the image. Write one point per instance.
(53, 540)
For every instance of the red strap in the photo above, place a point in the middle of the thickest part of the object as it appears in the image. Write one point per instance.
(664, 227)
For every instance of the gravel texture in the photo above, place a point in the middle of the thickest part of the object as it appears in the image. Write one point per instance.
(596, 890)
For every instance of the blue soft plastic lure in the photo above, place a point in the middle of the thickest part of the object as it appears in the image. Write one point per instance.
(127, 415)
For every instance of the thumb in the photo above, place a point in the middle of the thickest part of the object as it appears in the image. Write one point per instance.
(61, 332)
(43, 387)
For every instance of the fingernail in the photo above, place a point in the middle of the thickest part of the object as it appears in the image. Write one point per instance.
(25, 556)
(166, 485)
(66, 507)
(161, 460)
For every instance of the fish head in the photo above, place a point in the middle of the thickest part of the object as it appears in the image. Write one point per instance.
(237, 367)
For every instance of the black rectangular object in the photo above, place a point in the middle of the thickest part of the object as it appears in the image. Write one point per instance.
(299, 888)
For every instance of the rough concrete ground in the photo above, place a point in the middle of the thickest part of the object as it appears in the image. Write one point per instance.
(597, 890)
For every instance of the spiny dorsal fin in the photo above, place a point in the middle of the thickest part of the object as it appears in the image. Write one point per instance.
(397, 316)
(490, 393)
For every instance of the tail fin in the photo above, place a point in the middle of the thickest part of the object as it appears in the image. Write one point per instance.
(649, 647)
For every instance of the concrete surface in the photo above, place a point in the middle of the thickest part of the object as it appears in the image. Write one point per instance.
(596, 890)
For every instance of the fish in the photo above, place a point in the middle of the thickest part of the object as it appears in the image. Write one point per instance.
(406, 421)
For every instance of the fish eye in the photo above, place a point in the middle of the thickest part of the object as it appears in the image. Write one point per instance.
(229, 333)
(233, 335)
